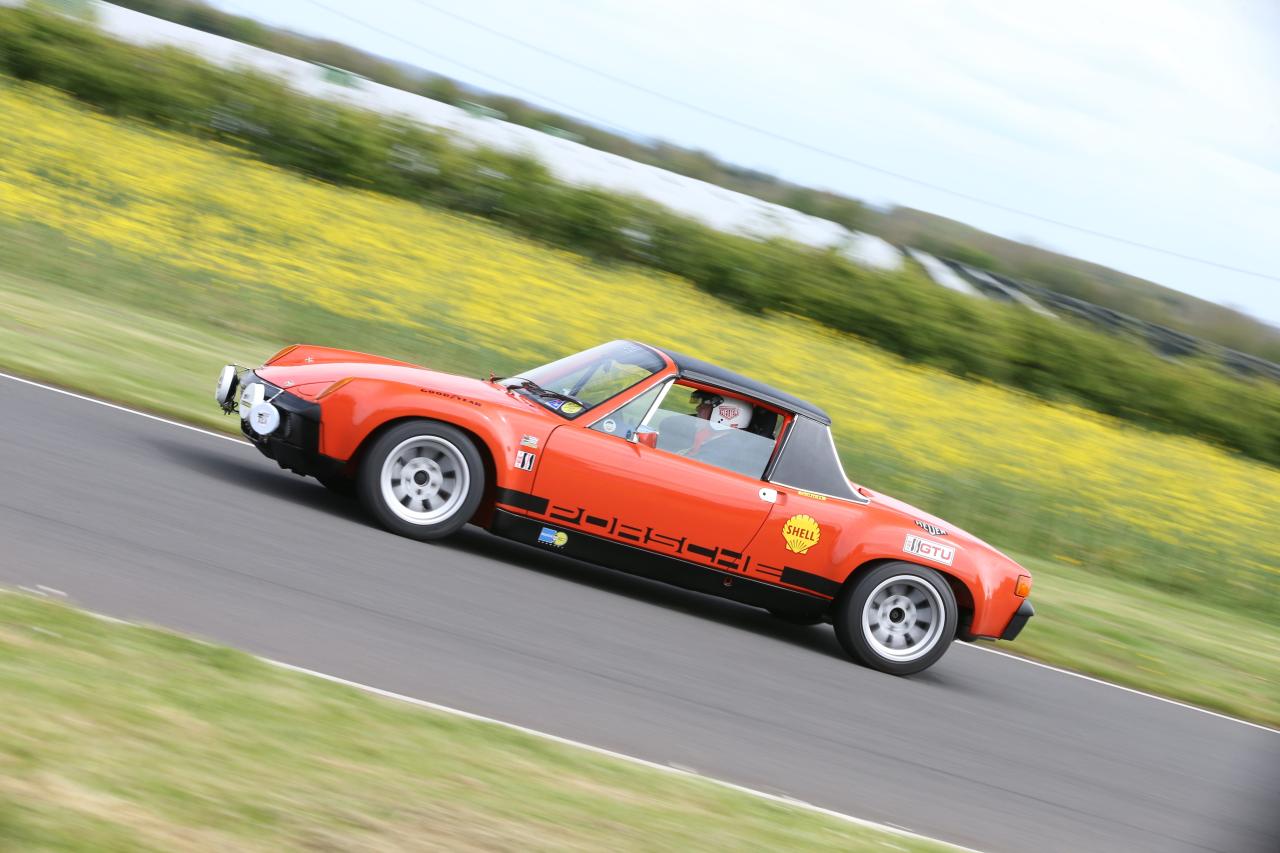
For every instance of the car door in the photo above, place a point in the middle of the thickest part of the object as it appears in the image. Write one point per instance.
(807, 540)
(602, 481)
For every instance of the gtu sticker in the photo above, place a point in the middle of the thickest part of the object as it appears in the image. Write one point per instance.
(525, 459)
(801, 533)
(929, 549)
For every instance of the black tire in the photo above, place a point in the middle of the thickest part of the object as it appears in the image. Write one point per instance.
(428, 449)
(794, 618)
(907, 594)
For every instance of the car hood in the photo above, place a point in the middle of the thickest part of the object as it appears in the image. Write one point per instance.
(309, 380)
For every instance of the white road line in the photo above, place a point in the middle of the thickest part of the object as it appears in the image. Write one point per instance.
(119, 408)
(673, 770)
(1165, 699)
(970, 645)
(665, 768)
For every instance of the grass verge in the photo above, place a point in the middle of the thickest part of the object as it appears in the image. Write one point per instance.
(205, 748)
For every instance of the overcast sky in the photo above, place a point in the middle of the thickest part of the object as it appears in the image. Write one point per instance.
(1157, 121)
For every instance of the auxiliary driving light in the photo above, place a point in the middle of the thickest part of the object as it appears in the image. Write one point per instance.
(264, 418)
(253, 394)
(227, 382)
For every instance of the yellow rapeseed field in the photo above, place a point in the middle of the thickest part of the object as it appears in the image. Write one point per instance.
(1080, 486)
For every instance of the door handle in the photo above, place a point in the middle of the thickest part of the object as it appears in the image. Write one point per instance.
(769, 495)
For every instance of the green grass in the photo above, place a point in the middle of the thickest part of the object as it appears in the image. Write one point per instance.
(1152, 640)
(202, 747)
(152, 337)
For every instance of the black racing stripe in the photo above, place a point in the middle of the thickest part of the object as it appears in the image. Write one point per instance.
(522, 500)
(709, 553)
(641, 561)
(808, 580)
(597, 521)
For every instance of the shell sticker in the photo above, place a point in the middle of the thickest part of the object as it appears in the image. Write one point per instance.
(801, 533)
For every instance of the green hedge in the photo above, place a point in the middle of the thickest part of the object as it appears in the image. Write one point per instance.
(900, 311)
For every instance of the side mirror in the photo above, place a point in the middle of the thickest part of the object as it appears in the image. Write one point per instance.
(648, 436)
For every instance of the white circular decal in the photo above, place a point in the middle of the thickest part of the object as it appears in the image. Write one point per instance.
(264, 418)
(609, 425)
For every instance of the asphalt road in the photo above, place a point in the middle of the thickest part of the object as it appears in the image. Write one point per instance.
(145, 520)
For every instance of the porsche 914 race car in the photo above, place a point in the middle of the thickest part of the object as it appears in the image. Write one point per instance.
(644, 460)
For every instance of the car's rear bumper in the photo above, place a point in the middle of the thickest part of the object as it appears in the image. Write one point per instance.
(295, 443)
(1024, 612)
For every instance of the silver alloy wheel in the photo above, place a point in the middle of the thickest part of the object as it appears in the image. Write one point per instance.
(425, 479)
(903, 618)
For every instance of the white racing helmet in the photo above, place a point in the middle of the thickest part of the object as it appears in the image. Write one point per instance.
(731, 413)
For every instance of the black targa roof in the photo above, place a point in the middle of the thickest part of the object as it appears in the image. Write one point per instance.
(704, 371)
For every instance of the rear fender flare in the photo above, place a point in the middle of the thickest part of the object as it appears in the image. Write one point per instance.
(960, 587)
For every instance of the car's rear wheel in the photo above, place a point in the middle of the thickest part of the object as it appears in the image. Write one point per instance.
(422, 479)
(898, 618)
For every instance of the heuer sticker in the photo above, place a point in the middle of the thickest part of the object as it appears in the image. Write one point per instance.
(801, 533)
(529, 441)
(558, 538)
(931, 529)
(525, 459)
(571, 408)
(609, 425)
(929, 549)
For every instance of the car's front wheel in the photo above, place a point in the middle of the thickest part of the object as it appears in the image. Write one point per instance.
(898, 618)
(422, 479)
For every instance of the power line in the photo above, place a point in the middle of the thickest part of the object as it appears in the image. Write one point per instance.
(771, 134)
(599, 120)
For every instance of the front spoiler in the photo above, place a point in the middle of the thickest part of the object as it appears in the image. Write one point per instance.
(1024, 612)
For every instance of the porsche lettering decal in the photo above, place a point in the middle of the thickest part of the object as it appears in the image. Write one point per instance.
(722, 557)
(801, 533)
(719, 557)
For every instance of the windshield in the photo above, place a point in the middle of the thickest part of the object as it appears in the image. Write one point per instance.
(584, 380)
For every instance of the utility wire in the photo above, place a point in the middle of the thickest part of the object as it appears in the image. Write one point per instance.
(622, 81)
(599, 120)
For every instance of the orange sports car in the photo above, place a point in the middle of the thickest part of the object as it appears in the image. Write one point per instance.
(644, 460)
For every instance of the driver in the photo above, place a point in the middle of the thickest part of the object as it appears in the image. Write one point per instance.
(722, 414)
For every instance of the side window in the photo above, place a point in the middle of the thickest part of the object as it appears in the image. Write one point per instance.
(623, 421)
(716, 429)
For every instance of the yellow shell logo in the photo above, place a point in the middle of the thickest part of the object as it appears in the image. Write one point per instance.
(561, 539)
(801, 533)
